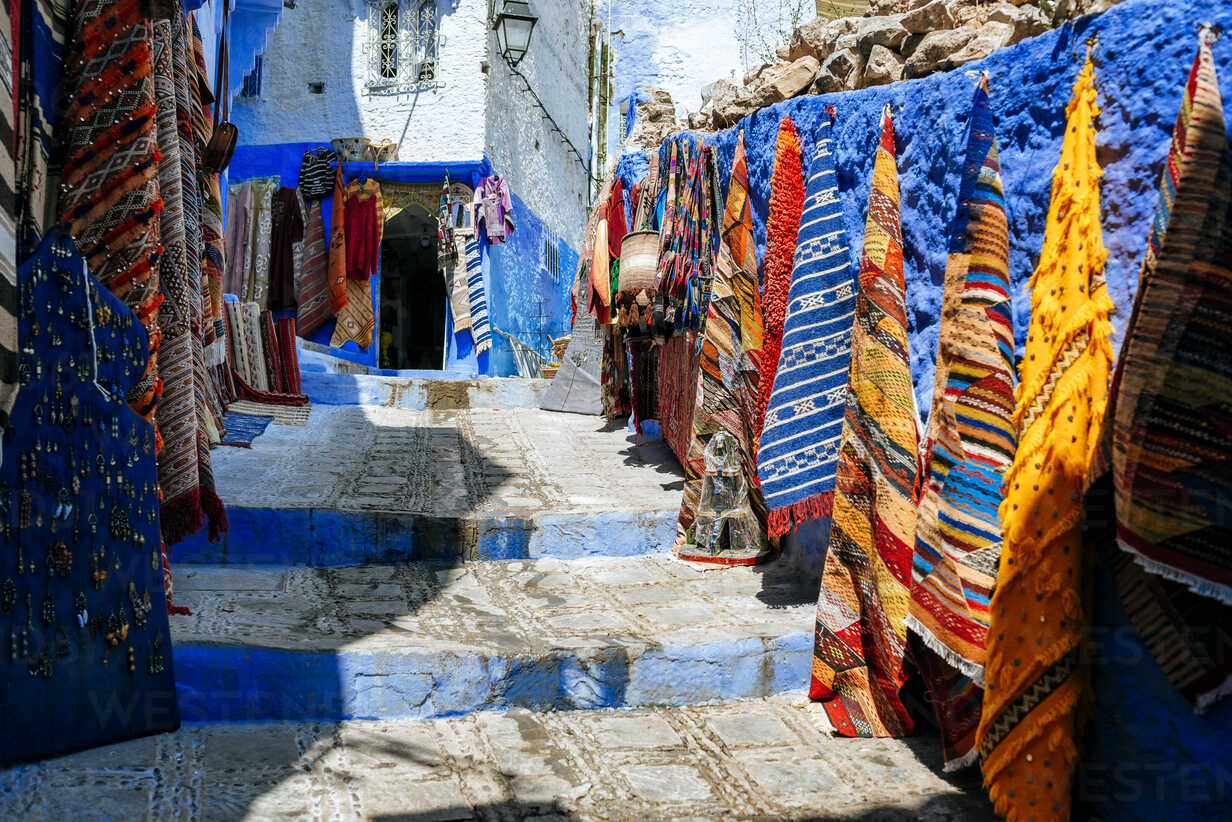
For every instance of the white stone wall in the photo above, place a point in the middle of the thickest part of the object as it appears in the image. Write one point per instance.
(324, 41)
(520, 142)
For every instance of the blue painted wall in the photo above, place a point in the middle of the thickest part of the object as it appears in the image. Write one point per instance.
(1149, 757)
(519, 286)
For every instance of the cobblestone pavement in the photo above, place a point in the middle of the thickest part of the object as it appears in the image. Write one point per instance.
(449, 463)
(765, 759)
(483, 607)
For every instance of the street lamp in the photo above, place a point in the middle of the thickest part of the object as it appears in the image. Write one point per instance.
(513, 27)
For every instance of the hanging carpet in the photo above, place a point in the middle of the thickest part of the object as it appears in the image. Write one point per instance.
(575, 388)
(862, 606)
(969, 446)
(799, 443)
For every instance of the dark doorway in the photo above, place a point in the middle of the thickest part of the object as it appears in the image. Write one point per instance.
(412, 294)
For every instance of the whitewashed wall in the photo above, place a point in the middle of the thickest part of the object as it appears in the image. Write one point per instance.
(323, 41)
(520, 142)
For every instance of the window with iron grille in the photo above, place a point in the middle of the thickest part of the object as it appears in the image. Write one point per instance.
(403, 42)
(551, 259)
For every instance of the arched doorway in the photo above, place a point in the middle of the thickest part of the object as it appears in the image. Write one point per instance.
(413, 298)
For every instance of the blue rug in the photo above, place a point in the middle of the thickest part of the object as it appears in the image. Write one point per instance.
(242, 429)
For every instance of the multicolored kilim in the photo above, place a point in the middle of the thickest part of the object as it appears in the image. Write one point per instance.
(799, 443)
(782, 224)
(728, 377)
(312, 282)
(678, 368)
(480, 332)
(738, 234)
(1028, 732)
(970, 445)
(337, 245)
(1173, 423)
(356, 320)
(862, 607)
(109, 188)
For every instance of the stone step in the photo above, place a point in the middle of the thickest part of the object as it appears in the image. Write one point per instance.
(362, 484)
(428, 639)
(768, 759)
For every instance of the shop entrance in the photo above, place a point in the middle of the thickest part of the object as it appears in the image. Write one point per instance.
(413, 298)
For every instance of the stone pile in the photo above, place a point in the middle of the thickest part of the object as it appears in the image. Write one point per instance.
(894, 40)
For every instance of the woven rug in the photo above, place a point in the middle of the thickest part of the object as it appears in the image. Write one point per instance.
(862, 606)
(312, 284)
(109, 195)
(453, 269)
(480, 333)
(243, 428)
(726, 397)
(281, 414)
(355, 320)
(288, 355)
(969, 446)
(782, 224)
(677, 394)
(274, 375)
(238, 235)
(738, 234)
(1036, 691)
(1173, 423)
(337, 245)
(256, 285)
(8, 237)
(184, 473)
(799, 443)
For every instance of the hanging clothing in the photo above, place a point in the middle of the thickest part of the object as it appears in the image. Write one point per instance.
(261, 228)
(494, 209)
(238, 234)
(617, 226)
(454, 269)
(287, 230)
(600, 272)
(799, 443)
(480, 332)
(861, 634)
(969, 447)
(1036, 690)
(365, 225)
(782, 226)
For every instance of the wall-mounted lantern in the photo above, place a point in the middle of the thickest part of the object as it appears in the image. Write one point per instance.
(513, 26)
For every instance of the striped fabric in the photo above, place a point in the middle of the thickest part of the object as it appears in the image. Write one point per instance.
(312, 280)
(1036, 686)
(970, 445)
(8, 228)
(862, 606)
(799, 441)
(316, 174)
(1173, 422)
(480, 332)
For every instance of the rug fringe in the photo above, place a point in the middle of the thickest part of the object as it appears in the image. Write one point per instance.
(215, 514)
(790, 517)
(951, 657)
(244, 391)
(182, 517)
(1200, 586)
(965, 761)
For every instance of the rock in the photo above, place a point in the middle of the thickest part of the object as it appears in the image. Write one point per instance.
(750, 76)
(967, 13)
(882, 7)
(910, 45)
(841, 72)
(884, 66)
(931, 16)
(725, 103)
(817, 37)
(782, 53)
(782, 82)
(991, 36)
(885, 30)
(847, 41)
(933, 52)
(1028, 21)
(658, 95)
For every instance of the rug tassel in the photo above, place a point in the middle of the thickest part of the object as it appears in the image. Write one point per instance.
(789, 518)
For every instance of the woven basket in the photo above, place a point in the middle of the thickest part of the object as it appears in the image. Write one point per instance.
(639, 259)
(386, 151)
(351, 149)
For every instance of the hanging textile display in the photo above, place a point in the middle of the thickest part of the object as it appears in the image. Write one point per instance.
(782, 225)
(365, 225)
(969, 446)
(8, 236)
(41, 50)
(82, 586)
(213, 260)
(287, 354)
(480, 332)
(738, 234)
(727, 386)
(1173, 426)
(454, 269)
(690, 243)
(109, 196)
(1028, 732)
(184, 471)
(494, 209)
(237, 234)
(356, 320)
(312, 280)
(261, 226)
(799, 441)
(862, 606)
(599, 303)
(287, 231)
(337, 246)
(575, 388)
